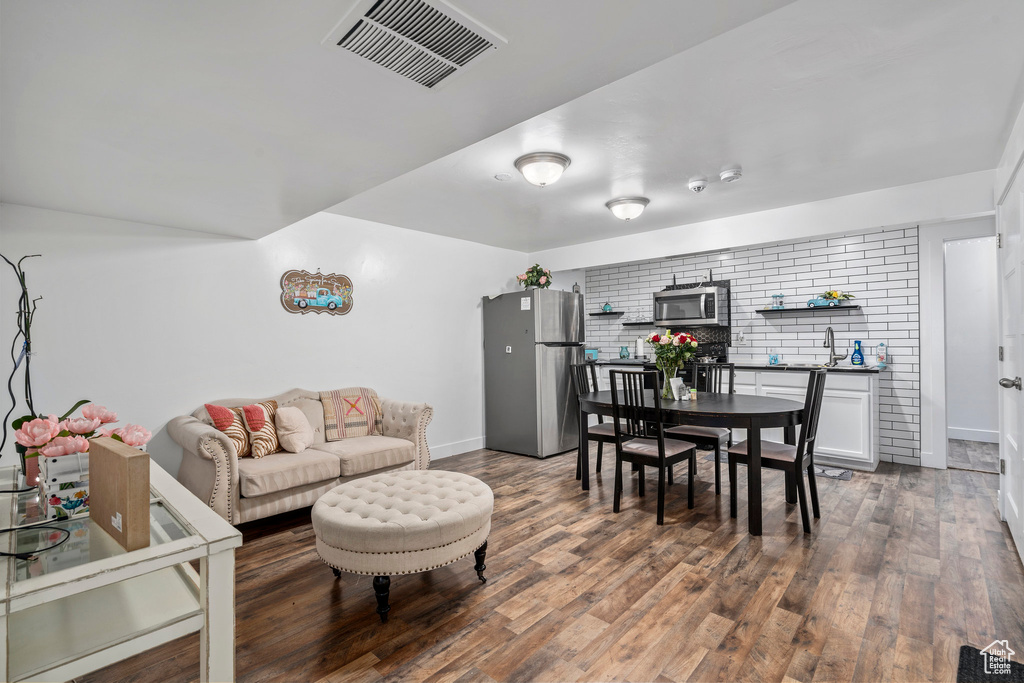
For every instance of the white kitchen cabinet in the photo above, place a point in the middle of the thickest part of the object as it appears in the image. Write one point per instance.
(848, 426)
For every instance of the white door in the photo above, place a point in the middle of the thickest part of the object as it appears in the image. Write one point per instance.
(1010, 220)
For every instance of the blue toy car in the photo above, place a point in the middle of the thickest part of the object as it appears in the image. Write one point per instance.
(813, 303)
(323, 298)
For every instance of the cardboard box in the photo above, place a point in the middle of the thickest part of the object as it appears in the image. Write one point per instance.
(119, 501)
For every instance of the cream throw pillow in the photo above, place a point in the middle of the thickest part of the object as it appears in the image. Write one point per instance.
(293, 429)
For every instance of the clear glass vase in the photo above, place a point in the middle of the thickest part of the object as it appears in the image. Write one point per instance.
(667, 373)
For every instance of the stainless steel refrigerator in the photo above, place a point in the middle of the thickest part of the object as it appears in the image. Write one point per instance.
(530, 340)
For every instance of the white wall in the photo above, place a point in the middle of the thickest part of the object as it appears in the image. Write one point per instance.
(943, 199)
(152, 321)
(972, 328)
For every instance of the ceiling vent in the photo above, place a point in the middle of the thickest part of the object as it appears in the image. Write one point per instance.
(426, 41)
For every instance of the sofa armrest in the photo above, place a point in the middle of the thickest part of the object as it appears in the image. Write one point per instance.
(209, 465)
(406, 420)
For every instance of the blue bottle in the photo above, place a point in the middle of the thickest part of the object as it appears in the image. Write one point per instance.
(857, 358)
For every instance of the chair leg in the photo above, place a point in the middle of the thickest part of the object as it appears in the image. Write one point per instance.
(718, 468)
(581, 452)
(640, 478)
(618, 484)
(790, 488)
(661, 495)
(813, 485)
(691, 471)
(600, 450)
(802, 495)
(732, 488)
(671, 475)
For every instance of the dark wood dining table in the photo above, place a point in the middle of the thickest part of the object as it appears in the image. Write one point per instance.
(737, 411)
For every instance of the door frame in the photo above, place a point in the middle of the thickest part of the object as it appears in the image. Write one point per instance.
(932, 238)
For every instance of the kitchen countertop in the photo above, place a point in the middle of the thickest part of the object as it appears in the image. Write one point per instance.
(624, 361)
(783, 367)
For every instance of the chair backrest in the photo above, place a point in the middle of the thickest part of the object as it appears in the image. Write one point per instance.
(711, 377)
(584, 380)
(812, 410)
(636, 412)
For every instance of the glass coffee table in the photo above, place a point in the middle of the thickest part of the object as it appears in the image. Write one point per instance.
(88, 603)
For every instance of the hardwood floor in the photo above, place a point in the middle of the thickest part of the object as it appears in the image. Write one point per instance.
(972, 455)
(904, 566)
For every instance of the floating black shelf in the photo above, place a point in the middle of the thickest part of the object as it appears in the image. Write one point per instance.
(642, 323)
(807, 309)
(608, 313)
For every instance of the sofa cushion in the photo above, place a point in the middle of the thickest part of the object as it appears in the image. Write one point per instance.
(282, 471)
(351, 412)
(259, 421)
(366, 453)
(294, 432)
(314, 412)
(229, 421)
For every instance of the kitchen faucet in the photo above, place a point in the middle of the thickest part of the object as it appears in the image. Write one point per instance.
(830, 342)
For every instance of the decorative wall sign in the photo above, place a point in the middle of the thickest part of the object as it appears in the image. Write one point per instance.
(304, 292)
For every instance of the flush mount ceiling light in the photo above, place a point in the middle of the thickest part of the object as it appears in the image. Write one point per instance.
(542, 168)
(628, 208)
(731, 175)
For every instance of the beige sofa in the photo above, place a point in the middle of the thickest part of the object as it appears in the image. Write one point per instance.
(244, 489)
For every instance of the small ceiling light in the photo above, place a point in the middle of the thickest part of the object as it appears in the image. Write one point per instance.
(542, 168)
(731, 175)
(628, 208)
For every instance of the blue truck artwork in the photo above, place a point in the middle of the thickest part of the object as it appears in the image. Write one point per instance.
(322, 297)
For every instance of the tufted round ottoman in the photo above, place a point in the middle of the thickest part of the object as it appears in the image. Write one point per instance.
(401, 523)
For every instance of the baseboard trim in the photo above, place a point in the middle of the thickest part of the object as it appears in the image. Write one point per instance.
(983, 435)
(456, 447)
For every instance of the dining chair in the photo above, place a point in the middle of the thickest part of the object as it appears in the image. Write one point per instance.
(792, 460)
(640, 436)
(584, 381)
(709, 377)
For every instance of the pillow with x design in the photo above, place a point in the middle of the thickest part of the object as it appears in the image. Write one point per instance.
(351, 412)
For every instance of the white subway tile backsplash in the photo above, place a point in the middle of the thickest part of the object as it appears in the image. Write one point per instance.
(879, 267)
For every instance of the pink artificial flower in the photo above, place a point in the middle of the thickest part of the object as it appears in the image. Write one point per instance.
(546, 271)
(65, 445)
(95, 412)
(543, 279)
(38, 432)
(134, 435)
(665, 341)
(81, 425)
(106, 431)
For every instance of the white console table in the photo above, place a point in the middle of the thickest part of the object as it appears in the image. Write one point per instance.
(87, 603)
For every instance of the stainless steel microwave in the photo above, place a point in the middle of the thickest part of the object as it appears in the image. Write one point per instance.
(699, 306)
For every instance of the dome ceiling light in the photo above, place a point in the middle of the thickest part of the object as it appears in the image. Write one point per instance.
(542, 168)
(628, 208)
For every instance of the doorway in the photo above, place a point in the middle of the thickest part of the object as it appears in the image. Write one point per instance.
(971, 288)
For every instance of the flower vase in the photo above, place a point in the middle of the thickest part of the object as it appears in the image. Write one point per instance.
(667, 373)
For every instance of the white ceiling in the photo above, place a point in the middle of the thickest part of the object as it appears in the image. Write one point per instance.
(818, 99)
(230, 117)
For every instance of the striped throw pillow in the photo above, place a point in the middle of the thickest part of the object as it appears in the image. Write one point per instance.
(351, 412)
(229, 421)
(259, 421)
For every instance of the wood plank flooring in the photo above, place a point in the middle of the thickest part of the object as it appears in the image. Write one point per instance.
(972, 455)
(904, 566)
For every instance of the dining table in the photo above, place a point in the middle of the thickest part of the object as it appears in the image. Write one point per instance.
(735, 411)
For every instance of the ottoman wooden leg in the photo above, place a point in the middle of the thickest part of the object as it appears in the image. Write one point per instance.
(381, 587)
(337, 572)
(479, 553)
